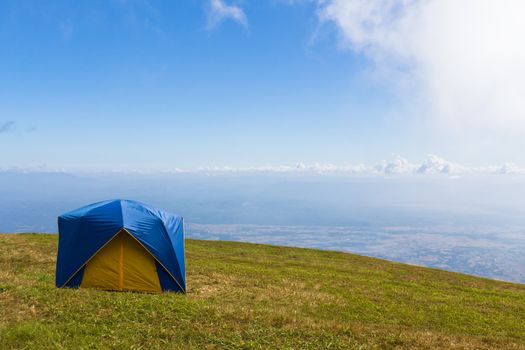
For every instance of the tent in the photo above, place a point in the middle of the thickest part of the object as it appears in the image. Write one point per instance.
(121, 245)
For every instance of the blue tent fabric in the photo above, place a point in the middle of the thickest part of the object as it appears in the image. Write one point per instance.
(84, 231)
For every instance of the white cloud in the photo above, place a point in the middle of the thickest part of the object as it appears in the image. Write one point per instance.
(511, 168)
(437, 165)
(461, 61)
(218, 11)
(398, 165)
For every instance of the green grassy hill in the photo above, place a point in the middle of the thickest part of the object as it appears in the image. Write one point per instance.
(257, 296)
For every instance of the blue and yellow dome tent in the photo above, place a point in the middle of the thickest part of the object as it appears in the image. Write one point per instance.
(121, 245)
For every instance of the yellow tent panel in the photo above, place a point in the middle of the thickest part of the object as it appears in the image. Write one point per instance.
(123, 264)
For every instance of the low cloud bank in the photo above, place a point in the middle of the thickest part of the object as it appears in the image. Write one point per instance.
(398, 166)
(432, 165)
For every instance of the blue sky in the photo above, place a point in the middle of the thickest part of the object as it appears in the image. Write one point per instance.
(159, 85)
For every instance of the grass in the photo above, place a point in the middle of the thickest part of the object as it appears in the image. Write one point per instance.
(249, 296)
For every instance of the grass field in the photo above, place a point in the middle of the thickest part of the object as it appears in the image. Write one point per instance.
(255, 296)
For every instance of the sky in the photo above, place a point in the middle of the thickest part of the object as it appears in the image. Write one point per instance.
(402, 86)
